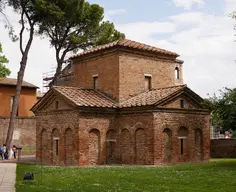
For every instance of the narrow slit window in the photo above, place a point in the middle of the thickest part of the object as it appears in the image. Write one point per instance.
(95, 82)
(148, 83)
(181, 103)
(110, 149)
(57, 104)
(176, 73)
(182, 146)
(57, 147)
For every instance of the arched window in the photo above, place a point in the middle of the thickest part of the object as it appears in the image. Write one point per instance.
(176, 73)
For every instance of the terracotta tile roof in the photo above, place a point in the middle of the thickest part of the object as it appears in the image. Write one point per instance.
(13, 82)
(85, 97)
(128, 44)
(92, 98)
(151, 97)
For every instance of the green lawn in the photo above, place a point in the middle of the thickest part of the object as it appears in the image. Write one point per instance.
(29, 148)
(219, 175)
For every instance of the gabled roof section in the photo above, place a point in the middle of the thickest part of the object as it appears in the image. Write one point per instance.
(77, 97)
(85, 97)
(13, 82)
(157, 96)
(126, 43)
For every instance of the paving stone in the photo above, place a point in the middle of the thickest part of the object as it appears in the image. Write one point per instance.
(7, 177)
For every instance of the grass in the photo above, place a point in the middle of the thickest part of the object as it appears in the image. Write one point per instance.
(29, 148)
(219, 175)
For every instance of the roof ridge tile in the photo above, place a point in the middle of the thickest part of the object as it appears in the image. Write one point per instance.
(127, 43)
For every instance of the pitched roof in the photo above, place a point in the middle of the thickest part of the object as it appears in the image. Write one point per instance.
(13, 82)
(91, 98)
(85, 97)
(127, 44)
(152, 97)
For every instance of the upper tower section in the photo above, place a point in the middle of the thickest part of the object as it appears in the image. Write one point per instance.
(125, 68)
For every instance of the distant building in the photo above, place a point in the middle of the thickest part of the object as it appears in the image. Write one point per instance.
(24, 126)
(122, 103)
(27, 98)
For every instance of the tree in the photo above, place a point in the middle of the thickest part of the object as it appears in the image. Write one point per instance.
(4, 71)
(70, 25)
(73, 25)
(28, 20)
(224, 110)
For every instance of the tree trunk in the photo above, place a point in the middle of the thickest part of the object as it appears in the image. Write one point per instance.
(59, 67)
(20, 77)
(58, 72)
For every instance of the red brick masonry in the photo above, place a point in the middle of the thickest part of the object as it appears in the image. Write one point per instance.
(121, 122)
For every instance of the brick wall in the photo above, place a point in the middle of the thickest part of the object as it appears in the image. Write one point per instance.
(132, 69)
(136, 132)
(176, 103)
(223, 148)
(24, 132)
(92, 138)
(196, 140)
(53, 126)
(121, 74)
(106, 67)
(146, 138)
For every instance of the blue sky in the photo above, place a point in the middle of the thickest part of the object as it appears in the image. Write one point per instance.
(199, 30)
(153, 10)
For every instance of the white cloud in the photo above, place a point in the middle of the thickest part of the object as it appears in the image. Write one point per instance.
(229, 6)
(204, 41)
(188, 4)
(142, 31)
(192, 18)
(40, 59)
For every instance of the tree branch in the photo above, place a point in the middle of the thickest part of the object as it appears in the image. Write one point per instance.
(21, 32)
(4, 15)
(28, 17)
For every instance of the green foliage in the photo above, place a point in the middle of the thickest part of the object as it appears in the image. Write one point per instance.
(234, 134)
(224, 109)
(216, 176)
(73, 25)
(4, 71)
(233, 15)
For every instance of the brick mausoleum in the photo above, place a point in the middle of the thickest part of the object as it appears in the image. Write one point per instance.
(122, 103)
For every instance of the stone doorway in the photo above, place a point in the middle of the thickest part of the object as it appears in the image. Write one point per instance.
(110, 151)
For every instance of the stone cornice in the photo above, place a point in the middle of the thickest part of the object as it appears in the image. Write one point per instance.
(120, 51)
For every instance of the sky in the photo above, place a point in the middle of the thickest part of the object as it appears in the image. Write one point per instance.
(200, 31)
